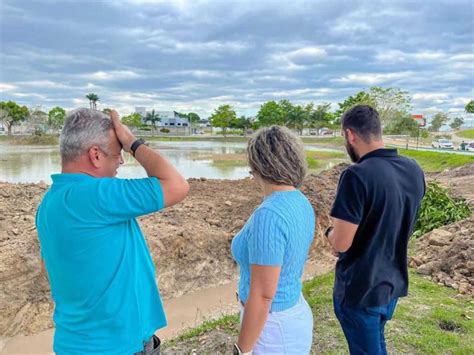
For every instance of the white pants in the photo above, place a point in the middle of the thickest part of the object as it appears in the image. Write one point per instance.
(288, 332)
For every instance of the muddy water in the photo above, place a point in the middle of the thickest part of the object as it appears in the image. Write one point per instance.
(183, 312)
(32, 164)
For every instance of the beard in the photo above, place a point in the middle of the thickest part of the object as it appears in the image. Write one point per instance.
(352, 153)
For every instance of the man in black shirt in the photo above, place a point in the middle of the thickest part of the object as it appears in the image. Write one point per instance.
(374, 212)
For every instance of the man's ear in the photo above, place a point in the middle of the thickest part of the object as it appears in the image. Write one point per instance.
(350, 136)
(95, 156)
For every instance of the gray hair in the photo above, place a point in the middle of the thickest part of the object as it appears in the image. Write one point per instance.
(84, 128)
(277, 155)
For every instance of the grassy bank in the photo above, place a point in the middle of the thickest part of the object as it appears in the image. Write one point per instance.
(432, 319)
(324, 141)
(468, 133)
(436, 162)
(316, 159)
(30, 140)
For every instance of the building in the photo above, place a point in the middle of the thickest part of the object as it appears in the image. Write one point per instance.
(167, 118)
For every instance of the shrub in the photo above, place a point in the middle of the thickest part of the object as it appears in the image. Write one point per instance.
(165, 130)
(438, 208)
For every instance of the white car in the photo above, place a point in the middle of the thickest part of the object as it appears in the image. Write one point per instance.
(470, 147)
(442, 144)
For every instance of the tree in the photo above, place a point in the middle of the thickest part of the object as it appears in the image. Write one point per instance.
(469, 108)
(361, 98)
(402, 123)
(133, 120)
(56, 117)
(389, 102)
(12, 114)
(242, 123)
(270, 113)
(153, 118)
(437, 121)
(222, 117)
(320, 116)
(295, 116)
(457, 123)
(37, 120)
(193, 117)
(93, 98)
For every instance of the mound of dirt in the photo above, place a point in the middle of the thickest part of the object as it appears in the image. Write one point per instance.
(446, 256)
(459, 180)
(189, 243)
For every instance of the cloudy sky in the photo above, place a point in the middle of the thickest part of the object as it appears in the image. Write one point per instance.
(196, 55)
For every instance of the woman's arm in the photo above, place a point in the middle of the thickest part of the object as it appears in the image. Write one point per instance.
(263, 286)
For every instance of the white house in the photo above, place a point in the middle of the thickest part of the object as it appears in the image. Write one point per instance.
(167, 118)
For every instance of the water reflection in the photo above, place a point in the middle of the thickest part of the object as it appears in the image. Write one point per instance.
(193, 160)
(34, 164)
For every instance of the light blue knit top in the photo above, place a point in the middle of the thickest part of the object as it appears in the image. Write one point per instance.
(279, 233)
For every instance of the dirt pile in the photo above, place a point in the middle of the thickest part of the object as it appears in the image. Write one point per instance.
(446, 255)
(459, 180)
(190, 242)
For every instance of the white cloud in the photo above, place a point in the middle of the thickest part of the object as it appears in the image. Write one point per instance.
(371, 78)
(6, 87)
(30, 94)
(298, 59)
(435, 97)
(43, 84)
(397, 56)
(111, 75)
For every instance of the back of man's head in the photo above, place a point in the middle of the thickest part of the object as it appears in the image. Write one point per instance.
(364, 121)
(84, 128)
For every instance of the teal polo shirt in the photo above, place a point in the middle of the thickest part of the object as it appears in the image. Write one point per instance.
(101, 273)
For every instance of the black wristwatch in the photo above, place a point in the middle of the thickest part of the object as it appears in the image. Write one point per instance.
(328, 230)
(136, 144)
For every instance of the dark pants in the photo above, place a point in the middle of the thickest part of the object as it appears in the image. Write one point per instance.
(364, 327)
(151, 347)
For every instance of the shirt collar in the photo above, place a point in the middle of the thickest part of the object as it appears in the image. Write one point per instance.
(70, 177)
(380, 153)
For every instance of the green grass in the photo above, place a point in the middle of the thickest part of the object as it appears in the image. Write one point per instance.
(227, 323)
(468, 133)
(416, 328)
(316, 158)
(195, 139)
(45, 139)
(324, 141)
(435, 162)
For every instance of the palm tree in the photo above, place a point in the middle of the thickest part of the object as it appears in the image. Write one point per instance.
(153, 118)
(93, 98)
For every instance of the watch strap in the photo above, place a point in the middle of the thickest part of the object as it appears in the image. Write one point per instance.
(136, 144)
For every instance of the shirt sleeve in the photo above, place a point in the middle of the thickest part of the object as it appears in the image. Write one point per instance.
(267, 238)
(350, 198)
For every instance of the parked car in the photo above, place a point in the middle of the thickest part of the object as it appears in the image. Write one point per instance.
(469, 147)
(442, 144)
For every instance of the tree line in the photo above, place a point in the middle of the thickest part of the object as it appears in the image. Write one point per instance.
(393, 105)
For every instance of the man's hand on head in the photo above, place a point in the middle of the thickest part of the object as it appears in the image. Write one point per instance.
(124, 135)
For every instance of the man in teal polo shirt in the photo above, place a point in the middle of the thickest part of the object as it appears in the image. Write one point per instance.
(98, 263)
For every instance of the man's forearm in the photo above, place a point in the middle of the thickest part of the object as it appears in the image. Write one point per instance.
(155, 164)
(173, 184)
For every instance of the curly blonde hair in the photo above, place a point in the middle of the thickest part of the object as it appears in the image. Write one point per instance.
(277, 155)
